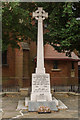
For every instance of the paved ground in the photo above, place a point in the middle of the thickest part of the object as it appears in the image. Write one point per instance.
(10, 101)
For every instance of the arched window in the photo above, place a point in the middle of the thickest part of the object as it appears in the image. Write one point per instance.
(4, 57)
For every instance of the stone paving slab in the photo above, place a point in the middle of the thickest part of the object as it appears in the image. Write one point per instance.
(9, 104)
(62, 114)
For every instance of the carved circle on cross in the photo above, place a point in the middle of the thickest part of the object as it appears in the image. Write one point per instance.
(40, 14)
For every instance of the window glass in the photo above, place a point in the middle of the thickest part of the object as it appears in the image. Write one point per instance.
(4, 57)
(72, 65)
(55, 66)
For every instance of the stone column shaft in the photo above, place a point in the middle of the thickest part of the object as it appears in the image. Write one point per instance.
(40, 49)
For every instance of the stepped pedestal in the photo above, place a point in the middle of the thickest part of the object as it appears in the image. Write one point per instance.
(33, 106)
(41, 94)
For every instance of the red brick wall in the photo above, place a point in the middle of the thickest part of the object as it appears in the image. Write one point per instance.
(8, 71)
(26, 68)
(33, 50)
(21, 65)
(22, 70)
(73, 80)
(17, 70)
(62, 77)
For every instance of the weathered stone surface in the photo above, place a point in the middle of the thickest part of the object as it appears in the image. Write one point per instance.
(41, 98)
(41, 87)
(34, 106)
(40, 80)
(26, 101)
(61, 105)
(40, 15)
(21, 105)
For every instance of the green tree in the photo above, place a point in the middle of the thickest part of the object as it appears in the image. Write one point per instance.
(62, 26)
(16, 23)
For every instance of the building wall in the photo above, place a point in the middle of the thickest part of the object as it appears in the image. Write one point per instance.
(62, 76)
(16, 71)
(8, 70)
(73, 74)
(33, 54)
(26, 68)
(21, 65)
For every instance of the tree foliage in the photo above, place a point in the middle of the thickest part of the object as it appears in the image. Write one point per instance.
(62, 26)
(16, 24)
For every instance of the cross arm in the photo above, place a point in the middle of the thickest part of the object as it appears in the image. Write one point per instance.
(35, 14)
(45, 15)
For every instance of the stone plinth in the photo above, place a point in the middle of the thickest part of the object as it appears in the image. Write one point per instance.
(41, 87)
(34, 106)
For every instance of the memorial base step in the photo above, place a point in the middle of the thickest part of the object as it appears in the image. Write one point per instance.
(21, 105)
(33, 106)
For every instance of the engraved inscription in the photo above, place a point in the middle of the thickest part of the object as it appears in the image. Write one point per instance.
(40, 80)
(41, 83)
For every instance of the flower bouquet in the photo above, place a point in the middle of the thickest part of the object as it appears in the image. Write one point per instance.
(44, 109)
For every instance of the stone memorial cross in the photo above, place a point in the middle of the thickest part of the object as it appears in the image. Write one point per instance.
(41, 93)
(40, 79)
(40, 15)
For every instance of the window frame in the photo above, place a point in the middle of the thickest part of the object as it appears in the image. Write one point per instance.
(72, 65)
(4, 57)
(55, 64)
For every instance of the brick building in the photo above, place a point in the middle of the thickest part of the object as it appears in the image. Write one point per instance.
(19, 64)
(63, 69)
